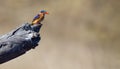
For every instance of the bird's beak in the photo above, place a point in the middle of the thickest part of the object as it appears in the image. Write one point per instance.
(46, 13)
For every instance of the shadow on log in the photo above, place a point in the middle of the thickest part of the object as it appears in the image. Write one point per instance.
(19, 41)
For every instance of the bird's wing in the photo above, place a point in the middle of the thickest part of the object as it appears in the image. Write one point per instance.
(36, 17)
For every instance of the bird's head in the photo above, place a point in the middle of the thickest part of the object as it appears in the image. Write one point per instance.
(44, 12)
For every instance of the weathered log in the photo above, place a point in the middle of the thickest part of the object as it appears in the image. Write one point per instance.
(19, 41)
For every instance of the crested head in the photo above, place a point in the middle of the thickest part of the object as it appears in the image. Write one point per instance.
(43, 11)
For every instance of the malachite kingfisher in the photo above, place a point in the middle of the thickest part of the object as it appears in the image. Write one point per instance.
(39, 17)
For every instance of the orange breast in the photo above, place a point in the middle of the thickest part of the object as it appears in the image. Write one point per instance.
(38, 20)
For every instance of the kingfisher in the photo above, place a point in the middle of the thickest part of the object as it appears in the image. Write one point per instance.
(39, 17)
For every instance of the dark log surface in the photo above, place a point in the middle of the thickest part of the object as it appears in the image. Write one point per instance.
(19, 41)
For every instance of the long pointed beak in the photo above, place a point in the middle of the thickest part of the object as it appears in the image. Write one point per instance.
(46, 13)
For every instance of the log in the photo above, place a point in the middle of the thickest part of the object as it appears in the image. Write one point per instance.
(19, 41)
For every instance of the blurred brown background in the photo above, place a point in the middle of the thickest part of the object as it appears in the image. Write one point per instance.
(77, 34)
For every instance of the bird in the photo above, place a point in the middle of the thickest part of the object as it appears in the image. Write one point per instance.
(39, 17)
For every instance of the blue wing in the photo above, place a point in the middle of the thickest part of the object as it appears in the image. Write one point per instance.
(36, 17)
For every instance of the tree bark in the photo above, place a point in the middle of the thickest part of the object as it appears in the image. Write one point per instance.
(19, 41)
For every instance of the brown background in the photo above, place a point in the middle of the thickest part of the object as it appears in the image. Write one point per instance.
(77, 34)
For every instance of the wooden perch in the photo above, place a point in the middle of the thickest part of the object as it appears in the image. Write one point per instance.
(19, 41)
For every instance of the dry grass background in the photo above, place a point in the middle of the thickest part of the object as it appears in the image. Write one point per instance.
(77, 34)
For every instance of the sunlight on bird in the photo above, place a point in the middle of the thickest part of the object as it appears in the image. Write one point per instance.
(39, 17)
